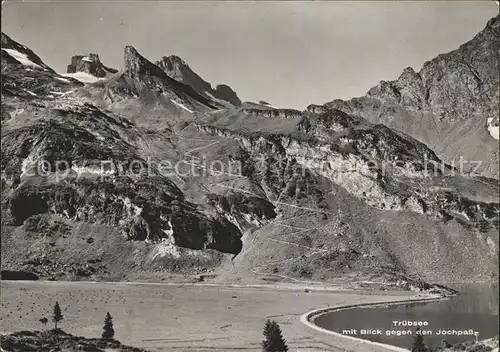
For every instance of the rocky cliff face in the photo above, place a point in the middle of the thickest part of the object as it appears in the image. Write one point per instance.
(272, 113)
(66, 160)
(93, 171)
(89, 64)
(179, 70)
(372, 162)
(334, 163)
(451, 104)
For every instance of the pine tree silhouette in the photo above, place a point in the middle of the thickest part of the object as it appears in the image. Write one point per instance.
(57, 316)
(418, 342)
(274, 341)
(107, 331)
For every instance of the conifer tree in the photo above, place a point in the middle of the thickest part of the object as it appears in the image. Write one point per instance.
(107, 331)
(418, 343)
(274, 341)
(57, 316)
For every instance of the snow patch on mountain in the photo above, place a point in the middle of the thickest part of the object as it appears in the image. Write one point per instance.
(82, 77)
(63, 80)
(21, 58)
(492, 129)
(27, 164)
(62, 94)
(225, 103)
(81, 170)
(181, 106)
(131, 207)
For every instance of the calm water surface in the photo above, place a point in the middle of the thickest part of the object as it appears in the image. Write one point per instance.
(476, 308)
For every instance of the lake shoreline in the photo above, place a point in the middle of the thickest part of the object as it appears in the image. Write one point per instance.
(309, 317)
(458, 319)
(179, 313)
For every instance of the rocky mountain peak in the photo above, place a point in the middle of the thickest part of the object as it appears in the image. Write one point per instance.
(454, 95)
(178, 69)
(493, 26)
(90, 64)
(225, 92)
(175, 58)
(134, 62)
(408, 73)
(18, 54)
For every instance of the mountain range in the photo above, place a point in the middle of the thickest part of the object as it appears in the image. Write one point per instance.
(451, 104)
(146, 171)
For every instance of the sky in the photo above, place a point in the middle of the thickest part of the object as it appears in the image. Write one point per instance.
(290, 54)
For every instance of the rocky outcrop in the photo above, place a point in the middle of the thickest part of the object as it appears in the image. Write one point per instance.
(243, 210)
(326, 122)
(448, 104)
(317, 109)
(57, 340)
(149, 210)
(225, 92)
(23, 149)
(5, 114)
(76, 164)
(89, 64)
(363, 163)
(179, 70)
(283, 114)
(488, 345)
(114, 198)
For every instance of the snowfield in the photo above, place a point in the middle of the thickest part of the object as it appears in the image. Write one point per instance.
(22, 58)
(220, 101)
(63, 80)
(181, 106)
(82, 77)
(493, 130)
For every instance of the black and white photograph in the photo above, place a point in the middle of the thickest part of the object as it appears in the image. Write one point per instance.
(249, 176)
